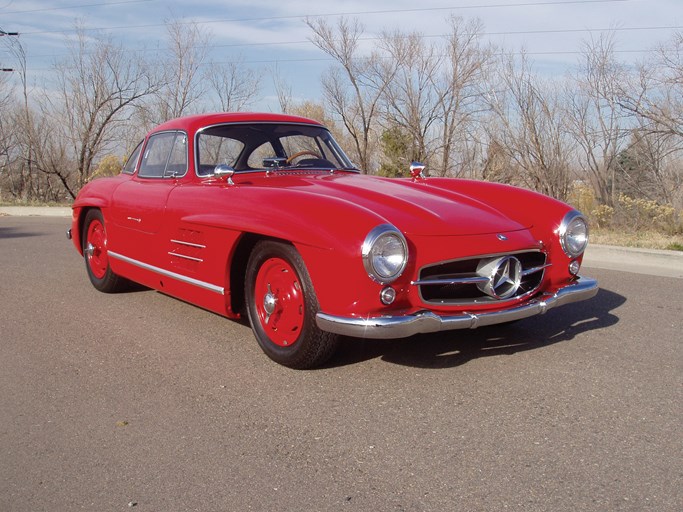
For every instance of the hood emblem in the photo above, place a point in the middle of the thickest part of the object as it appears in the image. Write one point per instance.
(504, 277)
(501, 237)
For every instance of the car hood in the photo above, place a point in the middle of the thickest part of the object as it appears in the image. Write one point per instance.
(414, 206)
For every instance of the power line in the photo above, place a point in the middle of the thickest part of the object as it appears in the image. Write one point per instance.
(427, 36)
(503, 33)
(349, 13)
(105, 4)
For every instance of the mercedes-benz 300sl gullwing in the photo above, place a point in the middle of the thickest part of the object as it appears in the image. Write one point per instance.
(264, 215)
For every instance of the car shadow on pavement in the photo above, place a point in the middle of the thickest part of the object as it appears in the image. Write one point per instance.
(12, 232)
(453, 348)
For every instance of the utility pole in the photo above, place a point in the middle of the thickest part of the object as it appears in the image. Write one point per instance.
(3, 33)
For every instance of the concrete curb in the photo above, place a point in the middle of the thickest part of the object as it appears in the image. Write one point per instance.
(36, 211)
(626, 259)
(640, 261)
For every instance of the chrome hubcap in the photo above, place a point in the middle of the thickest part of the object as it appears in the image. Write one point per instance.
(269, 303)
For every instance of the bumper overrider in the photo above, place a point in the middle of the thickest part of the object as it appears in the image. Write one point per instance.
(388, 327)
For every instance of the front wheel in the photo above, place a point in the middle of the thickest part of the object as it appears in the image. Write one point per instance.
(282, 305)
(96, 254)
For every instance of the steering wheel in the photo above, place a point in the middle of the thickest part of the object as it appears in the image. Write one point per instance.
(302, 153)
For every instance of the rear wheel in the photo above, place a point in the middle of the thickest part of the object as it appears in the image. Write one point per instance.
(96, 255)
(282, 305)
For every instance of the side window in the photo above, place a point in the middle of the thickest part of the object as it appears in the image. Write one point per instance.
(132, 161)
(177, 161)
(165, 155)
(214, 150)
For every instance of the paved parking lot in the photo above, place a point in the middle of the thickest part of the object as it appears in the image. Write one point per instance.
(137, 400)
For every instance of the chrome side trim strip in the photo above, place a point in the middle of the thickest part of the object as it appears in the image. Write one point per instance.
(198, 260)
(196, 282)
(188, 244)
(388, 327)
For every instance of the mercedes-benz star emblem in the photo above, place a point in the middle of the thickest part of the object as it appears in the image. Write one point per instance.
(504, 276)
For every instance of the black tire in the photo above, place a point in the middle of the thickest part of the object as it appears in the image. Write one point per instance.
(282, 305)
(95, 254)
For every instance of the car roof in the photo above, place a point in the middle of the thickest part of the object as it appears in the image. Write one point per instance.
(193, 123)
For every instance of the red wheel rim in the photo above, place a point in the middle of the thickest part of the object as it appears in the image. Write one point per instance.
(96, 249)
(279, 301)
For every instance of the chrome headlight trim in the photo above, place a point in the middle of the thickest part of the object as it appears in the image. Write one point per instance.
(385, 253)
(573, 234)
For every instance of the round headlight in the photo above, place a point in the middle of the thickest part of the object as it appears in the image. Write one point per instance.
(385, 253)
(573, 234)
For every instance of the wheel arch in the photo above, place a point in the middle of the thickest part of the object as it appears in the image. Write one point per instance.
(238, 268)
(79, 224)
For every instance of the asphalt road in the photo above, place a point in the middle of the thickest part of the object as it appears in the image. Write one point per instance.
(139, 401)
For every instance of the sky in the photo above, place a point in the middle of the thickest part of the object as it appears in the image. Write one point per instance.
(265, 34)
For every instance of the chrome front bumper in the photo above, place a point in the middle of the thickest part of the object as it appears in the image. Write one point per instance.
(388, 327)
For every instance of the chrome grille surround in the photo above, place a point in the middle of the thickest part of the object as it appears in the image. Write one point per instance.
(477, 280)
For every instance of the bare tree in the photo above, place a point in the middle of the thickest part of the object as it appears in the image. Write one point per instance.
(531, 129)
(654, 98)
(410, 101)
(657, 97)
(497, 163)
(598, 124)
(16, 126)
(234, 85)
(181, 72)
(23, 139)
(354, 88)
(459, 87)
(97, 84)
(426, 93)
(7, 138)
(283, 90)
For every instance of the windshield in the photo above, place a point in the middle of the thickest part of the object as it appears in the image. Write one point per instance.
(248, 147)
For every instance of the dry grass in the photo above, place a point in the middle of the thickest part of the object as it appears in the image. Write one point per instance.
(643, 239)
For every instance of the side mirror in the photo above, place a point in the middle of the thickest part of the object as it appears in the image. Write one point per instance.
(224, 171)
(417, 170)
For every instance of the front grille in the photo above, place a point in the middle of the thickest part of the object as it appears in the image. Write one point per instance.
(484, 279)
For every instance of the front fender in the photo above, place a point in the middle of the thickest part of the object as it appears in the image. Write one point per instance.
(327, 231)
(96, 194)
(298, 216)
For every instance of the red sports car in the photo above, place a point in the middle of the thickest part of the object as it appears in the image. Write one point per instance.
(264, 215)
